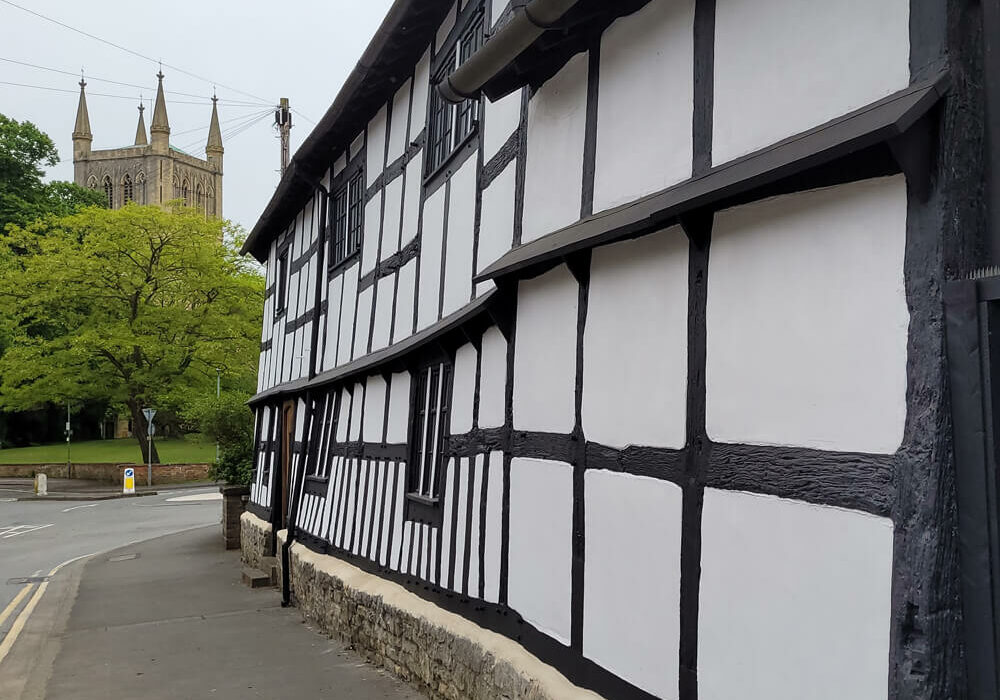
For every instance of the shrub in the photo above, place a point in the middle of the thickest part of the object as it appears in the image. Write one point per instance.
(228, 421)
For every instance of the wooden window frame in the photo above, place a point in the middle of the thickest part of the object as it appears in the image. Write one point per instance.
(346, 214)
(430, 422)
(281, 282)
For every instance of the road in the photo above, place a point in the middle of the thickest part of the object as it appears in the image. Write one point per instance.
(37, 536)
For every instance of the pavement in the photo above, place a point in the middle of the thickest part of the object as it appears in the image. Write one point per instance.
(169, 618)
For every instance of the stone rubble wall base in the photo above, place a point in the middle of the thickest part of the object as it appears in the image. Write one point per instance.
(444, 655)
(255, 540)
(111, 473)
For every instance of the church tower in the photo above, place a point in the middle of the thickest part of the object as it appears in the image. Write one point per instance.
(151, 171)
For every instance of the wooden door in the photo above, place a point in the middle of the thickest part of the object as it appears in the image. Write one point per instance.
(287, 441)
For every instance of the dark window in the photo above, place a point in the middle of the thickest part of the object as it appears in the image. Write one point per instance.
(430, 410)
(281, 292)
(326, 433)
(109, 191)
(347, 218)
(127, 189)
(450, 124)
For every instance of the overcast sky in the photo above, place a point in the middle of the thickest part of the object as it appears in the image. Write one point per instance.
(254, 51)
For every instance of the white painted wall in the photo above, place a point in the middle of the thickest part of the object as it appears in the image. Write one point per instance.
(557, 116)
(418, 106)
(375, 147)
(634, 634)
(369, 247)
(390, 218)
(794, 601)
(493, 379)
(363, 324)
(545, 352)
(411, 199)
(645, 103)
(494, 522)
(399, 407)
(635, 342)
(403, 325)
(461, 230)
(374, 409)
(500, 120)
(807, 320)
(496, 221)
(397, 125)
(541, 548)
(383, 313)
(463, 389)
(785, 66)
(445, 27)
(430, 259)
(347, 309)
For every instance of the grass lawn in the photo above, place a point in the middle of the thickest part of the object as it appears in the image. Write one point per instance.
(192, 449)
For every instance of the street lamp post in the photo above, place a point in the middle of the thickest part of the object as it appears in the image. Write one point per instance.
(69, 430)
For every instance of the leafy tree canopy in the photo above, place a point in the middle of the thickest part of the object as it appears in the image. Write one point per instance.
(137, 307)
(24, 153)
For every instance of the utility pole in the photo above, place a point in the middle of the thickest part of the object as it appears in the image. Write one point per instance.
(283, 120)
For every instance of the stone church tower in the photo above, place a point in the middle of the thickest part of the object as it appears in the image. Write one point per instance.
(150, 171)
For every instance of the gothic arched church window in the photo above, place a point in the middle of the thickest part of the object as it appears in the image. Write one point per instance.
(127, 191)
(109, 191)
(185, 187)
(140, 181)
(199, 196)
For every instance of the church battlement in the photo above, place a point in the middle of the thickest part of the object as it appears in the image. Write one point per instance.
(151, 171)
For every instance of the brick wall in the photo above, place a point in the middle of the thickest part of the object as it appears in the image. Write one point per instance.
(110, 473)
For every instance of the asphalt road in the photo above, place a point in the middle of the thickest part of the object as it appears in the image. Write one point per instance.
(37, 536)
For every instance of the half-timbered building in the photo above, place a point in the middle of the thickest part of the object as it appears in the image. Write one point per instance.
(619, 329)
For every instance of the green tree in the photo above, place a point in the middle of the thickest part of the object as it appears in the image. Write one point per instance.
(228, 421)
(136, 307)
(24, 152)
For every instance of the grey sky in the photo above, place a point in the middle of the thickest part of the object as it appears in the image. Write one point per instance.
(302, 50)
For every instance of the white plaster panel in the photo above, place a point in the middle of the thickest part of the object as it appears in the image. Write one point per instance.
(404, 301)
(356, 413)
(339, 164)
(418, 107)
(461, 225)
(446, 512)
(411, 198)
(545, 352)
(369, 246)
(374, 409)
(445, 27)
(430, 260)
(404, 554)
(493, 379)
(635, 342)
(390, 219)
(364, 322)
(346, 409)
(795, 600)
(785, 66)
(357, 144)
(463, 389)
(497, 8)
(476, 465)
(496, 222)
(347, 308)
(541, 547)
(397, 125)
(636, 636)
(399, 407)
(557, 116)
(383, 313)
(807, 320)
(500, 120)
(397, 530)
(375, 147)
(646, 77)
(494, 517)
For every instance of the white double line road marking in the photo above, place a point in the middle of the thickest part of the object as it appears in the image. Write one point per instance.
(8, 532)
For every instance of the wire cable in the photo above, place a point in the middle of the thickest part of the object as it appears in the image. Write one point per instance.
(127, 97)
(130, 51)
(141, 87)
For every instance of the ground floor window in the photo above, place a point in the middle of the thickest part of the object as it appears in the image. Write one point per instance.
(430, 412)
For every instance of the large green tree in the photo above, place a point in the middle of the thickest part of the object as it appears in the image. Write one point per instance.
(138, 307)
(24, 152)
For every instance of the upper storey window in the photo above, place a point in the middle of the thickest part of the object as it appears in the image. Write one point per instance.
(347, 218)
(109, 191)
(450, 124)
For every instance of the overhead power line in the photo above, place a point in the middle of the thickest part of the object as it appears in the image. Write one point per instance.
(130, 51)
(237, 105)
(118, 82)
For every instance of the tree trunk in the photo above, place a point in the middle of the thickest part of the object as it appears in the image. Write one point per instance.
(140, 430)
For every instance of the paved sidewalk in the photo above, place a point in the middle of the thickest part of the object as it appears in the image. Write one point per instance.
(174, 621)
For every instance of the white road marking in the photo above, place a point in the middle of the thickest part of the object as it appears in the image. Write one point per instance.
(8, 500)
(88, 505)
(216, 496)
(15, 530)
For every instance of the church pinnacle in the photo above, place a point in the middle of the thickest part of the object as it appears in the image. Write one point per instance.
(159, 128)
(82, 128)
(140, 130)
(214, 145)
